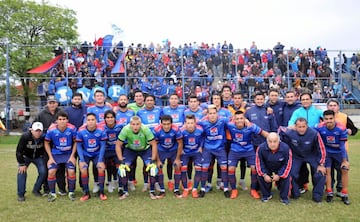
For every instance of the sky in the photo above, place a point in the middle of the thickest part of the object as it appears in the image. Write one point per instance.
(330, 24)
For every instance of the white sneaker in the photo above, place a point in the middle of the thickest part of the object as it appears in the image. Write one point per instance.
(114, 184)
(131, 186)
(145, 187)
(243, 185)
(96, 188)
(157, 187)
(218, 184)
(110, 188)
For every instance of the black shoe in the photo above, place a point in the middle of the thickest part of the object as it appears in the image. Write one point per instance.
(177, 194)
(62, 193)
(37, 193)
(21, 198)
(201, 194)
(346, 200)
(227, 194)
(329, 198)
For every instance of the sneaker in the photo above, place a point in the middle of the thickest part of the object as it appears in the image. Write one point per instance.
(218, 184)
(302, 190)
(51, 197)
(145, 187)
(21, 198)
(185, 193)
(208, 188)
(234, 194)
(170, 186)
(202, 194)
(194, 194)
(243, 185)
(85, 197)
(153, 196)
(45, 194)
(131, 185)
(71, 196)
(37, 193)
(177, 194)
(285, 202)
(254, 194)
(96, 188)
(345, 199)
(123, 194)
(157, 187)
(160, 195)
(227, 194)
(110, 188)
(62, 193)
(115, 184)
(103, 196)
(329, 197)
(266, 199)
(339, 194)
(189, 184)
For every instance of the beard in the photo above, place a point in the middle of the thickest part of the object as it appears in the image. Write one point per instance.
(122, 106)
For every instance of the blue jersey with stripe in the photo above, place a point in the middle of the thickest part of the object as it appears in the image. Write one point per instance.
(177, 114)
(112, 136)
(150, 118)
(241, 138)
(167, 141)
(99, 111)
(199, 114)
(192, 141)
(124, 117)
(334, 139)
(214, 133)
(62, 142)
(91, 143)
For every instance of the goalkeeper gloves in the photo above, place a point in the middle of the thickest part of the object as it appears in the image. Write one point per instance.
(152, 168)
(122, 169)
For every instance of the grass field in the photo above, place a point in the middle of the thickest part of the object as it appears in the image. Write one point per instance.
(139, 207)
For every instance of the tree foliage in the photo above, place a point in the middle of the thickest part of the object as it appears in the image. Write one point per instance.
(33, 30)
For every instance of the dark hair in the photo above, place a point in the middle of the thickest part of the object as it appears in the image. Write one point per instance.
(100, 91)
(301, 119)
(239, 112)
(62, 113)
(190, 116)
(259, 94)
(107, 112)
(193, 97)
(166, 118)
(138, 91)
(273, 90)
(221, 99)
(225, 86)
(305, 93)
(91, 114)
(152, 96)
(238, 93)
(77, 94)
(329, 113)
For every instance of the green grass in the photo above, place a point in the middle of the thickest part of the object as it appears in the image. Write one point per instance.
(139, 207)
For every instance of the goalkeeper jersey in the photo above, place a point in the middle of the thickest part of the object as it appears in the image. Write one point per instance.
(136, 141)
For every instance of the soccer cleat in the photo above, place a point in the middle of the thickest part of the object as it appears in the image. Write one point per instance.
(21, 198)
(266, 199)
(51, 197)
(71, 196)
(37, 193)
(218, 184)
(345, 199)
(96, 188)
(304, 189)
(123, 194)
(234, 194)
(85, 197)
(103, 196)
(160, 195)
(227, 194)
(62, 193)
(254, 194)
(243, 185)
(189, 184)
(177, 194)
(285, 202)
(329, 197)
(185, 193)
(201, 194)
(131, 185)
(145, 187)
(194, 194)
(208, 188)
(153, 196)
(170, 186)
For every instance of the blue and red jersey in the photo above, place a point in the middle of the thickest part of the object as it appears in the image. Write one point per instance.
(124, 117)
(241, 138)
(334, 139)
(91, 143)
(112, 135)
(99, 111)
(61, 142)
(214, 133)
(167, 141)
(192, 141)
(150, 118)
(199, 114)
(177, 114)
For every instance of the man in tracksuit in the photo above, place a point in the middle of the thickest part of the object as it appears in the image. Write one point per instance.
(307, 147)
(273, 164)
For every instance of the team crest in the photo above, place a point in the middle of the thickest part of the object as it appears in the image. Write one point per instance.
(239, 136)
(151, 118)
(63, 141)
(330, 139)
(213, 131)
(92, 142)
(112, 136)
(167, 141)
(192, 140)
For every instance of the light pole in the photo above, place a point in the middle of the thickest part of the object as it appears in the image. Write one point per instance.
(7, 87)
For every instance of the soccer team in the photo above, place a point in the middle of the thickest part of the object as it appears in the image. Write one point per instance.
(276, 139)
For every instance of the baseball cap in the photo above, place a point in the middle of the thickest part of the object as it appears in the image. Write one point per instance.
(37, 126)
(51, 98)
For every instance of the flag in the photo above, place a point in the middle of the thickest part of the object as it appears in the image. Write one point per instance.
(107, 42)
(116, 30)
(119, 65)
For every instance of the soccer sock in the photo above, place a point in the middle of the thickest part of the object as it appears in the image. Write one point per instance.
(169, 169)
(101, 181)
(254, 180)
(124, 182)
(152, 183)
(184, 176)
(71, 183)
(85, 182)
(242, 169)
(205, 176)
(160, 179)
(146, 176)
(52, 183)
(197, 177)
(232, 179)
(224, 176)
(210, 172)
(189, 170)
(344, 192)
(177, 178)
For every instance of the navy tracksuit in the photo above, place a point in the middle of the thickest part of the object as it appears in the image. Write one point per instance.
(308, 148)
(274, 162)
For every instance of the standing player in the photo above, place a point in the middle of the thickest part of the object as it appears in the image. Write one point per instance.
(139, 101)
(61, 148)
(170, 146)
(123, 113)
(241, 148)
(194, 108)
(90, 143)
(30, 149)
(140, 142)
(273, 164)
(193, 143)
(226, 96)
(334, 136)
(214, 131)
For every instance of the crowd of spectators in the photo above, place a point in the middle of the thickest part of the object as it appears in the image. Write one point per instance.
(192, 68)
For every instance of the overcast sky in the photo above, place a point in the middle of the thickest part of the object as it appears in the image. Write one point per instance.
(331, 24)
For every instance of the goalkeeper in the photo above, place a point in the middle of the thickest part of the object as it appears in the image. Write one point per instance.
(140, 142)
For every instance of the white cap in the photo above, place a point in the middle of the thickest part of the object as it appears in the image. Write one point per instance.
(37, 126)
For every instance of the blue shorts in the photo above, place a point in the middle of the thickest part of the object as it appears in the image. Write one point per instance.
(219, 154)
(333, 159)
(195, 156)
(130, 155)
(111, 159)
(93, 159)
(164, 155)
(62, 158)
(234, 158)
(109, 153)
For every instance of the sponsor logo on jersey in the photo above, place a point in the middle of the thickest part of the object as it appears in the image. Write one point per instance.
(192, 140)
(112, 136)
(167, 141)
(175, 117)
(213, 131)
(239, 136)
(137, 142)
(63, 141)
(330, 139)
(92, 142)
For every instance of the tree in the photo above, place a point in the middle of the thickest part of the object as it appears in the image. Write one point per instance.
(33, 30)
